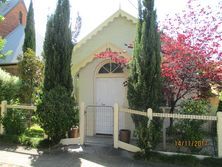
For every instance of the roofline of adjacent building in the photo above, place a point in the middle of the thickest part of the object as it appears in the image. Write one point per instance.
(15, 6)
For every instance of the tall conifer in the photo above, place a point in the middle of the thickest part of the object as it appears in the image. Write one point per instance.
(144, 79)
(56, 111)
(29, 41)
(58, 48)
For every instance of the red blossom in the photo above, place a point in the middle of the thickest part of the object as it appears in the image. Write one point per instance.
(114, 56)
(192, 51)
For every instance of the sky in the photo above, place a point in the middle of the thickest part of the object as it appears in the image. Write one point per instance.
(94, 12)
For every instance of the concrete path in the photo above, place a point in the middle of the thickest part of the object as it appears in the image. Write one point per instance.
(70, 156)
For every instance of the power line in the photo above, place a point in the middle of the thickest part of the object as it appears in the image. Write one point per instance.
(132, 4)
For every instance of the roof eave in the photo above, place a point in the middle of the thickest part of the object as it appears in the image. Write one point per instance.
(103, 25)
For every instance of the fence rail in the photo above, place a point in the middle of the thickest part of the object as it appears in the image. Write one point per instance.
(168, 115)
(149, 113)
(24, 107)
(182, 116)
(133, 112)
(4, 106)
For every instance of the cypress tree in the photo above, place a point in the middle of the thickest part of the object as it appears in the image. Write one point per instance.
(30, 67)
(144, 82)
(56, 111)
(144, 79)
(58, 49)
(29, 41)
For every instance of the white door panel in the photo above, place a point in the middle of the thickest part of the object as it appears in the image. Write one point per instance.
(108, 92)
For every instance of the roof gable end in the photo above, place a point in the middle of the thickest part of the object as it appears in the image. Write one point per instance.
(119, 13)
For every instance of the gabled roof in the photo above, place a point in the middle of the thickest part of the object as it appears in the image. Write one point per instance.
(14, 43)
(6, 7)
(104, 24)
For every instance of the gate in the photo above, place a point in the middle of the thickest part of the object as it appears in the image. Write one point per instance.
(98, 124)
(99, 120)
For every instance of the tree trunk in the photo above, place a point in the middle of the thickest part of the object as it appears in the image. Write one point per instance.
(172, 111)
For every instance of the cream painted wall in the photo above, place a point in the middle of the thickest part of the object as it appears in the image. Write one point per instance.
(86, 82)
(86, 93)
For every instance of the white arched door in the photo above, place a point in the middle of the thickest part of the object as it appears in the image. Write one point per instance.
(109, 90)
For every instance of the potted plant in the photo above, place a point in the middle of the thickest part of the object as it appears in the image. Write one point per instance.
(74, 132)
(124, 135)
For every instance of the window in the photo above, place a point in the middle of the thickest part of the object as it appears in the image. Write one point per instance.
(111, 68)
(20, 17)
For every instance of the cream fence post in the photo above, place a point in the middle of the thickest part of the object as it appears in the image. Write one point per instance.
(3, 111)
(219, 133)
(164, 130)
(116, 125)
(82, 123)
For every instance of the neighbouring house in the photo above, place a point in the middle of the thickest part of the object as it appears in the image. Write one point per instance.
(12, 30)
(100, 82)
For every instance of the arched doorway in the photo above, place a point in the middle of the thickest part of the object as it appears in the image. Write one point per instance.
(109, 85)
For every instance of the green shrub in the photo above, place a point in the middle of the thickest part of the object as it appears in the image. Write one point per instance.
(9, 86)
(148, 137)
(45, 143)
(31, 75)
(14, 122)
(32, 137)
(34, 119)
(191, 130)
(220, 102)
(220, 106)
(56, 113)
(9, 139)
(34, 131)
(29, 141)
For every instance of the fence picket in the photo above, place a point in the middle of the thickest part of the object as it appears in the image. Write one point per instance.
(217, 118)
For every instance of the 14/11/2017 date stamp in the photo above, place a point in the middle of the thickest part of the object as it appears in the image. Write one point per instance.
(191, 143)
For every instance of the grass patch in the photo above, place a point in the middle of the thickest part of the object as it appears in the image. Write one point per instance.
(185, 160)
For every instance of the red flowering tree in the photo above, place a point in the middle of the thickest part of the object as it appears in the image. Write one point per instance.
(113, 55)
(192, 52)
